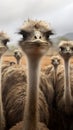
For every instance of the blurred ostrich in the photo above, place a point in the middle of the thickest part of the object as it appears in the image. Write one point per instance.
(17, 55)
(3, 48)
(55, 61)
(12, 63)
(66, 52)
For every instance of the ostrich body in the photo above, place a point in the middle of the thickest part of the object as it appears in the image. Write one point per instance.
(34, 46)
(14, 84)
(55, 61)
(3, 48)
(17, 55)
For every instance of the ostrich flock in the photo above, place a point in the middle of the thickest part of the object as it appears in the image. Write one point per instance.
(32, 99)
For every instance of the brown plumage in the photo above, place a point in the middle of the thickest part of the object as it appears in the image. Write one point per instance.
(14, 96)
(18, 126)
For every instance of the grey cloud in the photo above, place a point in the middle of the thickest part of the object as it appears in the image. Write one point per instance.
(14, 12)
(12, 9)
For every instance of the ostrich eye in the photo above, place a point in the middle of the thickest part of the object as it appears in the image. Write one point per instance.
(5, 41)
(53, 60)
(25, 34)
(72, 48)
(62, 48)
(15, 53)
(48, 33)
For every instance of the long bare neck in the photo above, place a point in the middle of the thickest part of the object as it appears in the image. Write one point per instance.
(31, 107)
(55, 76)
(18, 61)
(2, 119)
(67, 88)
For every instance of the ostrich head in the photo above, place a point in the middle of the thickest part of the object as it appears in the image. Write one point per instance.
(12, 63)
(35, 41)
(66, 49)
(3, 43)
(55, 61)
(17, 54)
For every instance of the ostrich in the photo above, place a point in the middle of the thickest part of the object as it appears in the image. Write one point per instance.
(17, 55)
(66, 52)
(12, 63)
(35, 43)
(64, 90)
(3, 48)
(55, 61)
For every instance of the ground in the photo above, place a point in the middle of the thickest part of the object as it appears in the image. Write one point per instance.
(45, 61)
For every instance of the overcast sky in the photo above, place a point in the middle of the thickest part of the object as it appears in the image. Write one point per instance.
(59, 13)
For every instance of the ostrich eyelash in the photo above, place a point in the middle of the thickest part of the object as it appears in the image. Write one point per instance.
(5, 41)
(48, 33)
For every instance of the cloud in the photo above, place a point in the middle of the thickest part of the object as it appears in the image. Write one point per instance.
(12, 9)
(14, 12)
(62, 20)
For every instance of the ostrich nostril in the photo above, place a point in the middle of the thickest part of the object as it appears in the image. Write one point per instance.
(35, 37)
(15, 53)
(40, 37)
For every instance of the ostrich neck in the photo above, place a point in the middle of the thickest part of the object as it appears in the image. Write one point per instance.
(31, 108)
(55, 76)
(18, 61)
(67, 89)
(2, 120)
